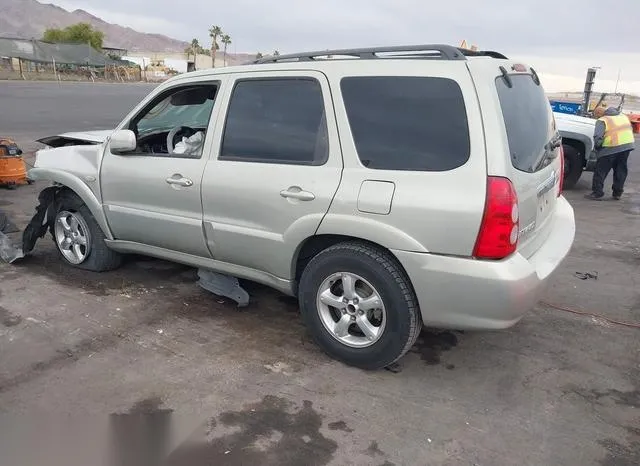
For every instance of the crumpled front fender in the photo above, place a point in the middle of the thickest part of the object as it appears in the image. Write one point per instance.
(80, 188)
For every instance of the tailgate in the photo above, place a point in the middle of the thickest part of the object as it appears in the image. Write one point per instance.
(534, 151)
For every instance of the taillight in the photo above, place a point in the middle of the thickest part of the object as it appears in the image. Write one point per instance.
(561, 182)
(498, 236)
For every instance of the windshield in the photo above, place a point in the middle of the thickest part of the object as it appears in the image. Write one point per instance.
(529, 122)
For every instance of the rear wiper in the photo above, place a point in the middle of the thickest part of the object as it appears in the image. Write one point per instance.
(548, 155)
(549, 152)
(555, 142)
(505, 75)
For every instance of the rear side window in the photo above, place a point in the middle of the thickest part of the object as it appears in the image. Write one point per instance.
(407, 123)
(528, 119)
(276, 121)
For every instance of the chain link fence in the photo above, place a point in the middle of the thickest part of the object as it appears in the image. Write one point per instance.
(37, 60)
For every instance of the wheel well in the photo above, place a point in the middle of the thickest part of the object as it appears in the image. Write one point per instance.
(68, 191)
(315, 244)
(578, 146)
(311, 247)
(64, 190)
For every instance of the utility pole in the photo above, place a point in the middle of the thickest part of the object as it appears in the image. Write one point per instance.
(588, 89)
(617, 81)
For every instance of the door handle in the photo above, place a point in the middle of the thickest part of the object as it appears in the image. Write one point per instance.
(179, 180)
(295, 192)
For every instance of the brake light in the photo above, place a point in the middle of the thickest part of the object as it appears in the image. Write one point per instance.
(498, 236)
(561, 181)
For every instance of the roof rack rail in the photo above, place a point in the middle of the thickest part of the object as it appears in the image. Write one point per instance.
(438, 51)
(430, 51)
(482, 53)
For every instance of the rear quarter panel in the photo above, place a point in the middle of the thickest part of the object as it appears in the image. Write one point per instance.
(437, 212)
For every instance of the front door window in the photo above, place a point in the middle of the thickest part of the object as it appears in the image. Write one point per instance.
(175, 123)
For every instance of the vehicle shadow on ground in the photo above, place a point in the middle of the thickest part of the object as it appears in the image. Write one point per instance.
(174, 285)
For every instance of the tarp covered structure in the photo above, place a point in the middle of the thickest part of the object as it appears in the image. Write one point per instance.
(60, 54)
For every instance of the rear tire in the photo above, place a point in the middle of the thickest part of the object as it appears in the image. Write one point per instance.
(390, 318)
(79, 238)
(573, 166)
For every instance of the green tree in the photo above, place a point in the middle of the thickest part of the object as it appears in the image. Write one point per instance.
(214, 33)
(259, 55)
(226, 41)
(80, 33)
(276, 53)
(54, 35)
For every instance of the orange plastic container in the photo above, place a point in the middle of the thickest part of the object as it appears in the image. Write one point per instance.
(635, 122)
(13, 171)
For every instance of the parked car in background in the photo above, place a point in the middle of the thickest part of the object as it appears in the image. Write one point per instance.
(577, 142)
(385, 188)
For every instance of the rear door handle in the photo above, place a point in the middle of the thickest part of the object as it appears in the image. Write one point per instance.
(295, 192)
(179, 180)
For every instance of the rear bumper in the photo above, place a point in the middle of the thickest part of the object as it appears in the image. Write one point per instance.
(465, 293)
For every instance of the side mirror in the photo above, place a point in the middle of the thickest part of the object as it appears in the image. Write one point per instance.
(123, 140)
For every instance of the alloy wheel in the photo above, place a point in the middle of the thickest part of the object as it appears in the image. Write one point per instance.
(351, 310)
(72, 236)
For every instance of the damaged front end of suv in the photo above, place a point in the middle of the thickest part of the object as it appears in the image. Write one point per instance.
(71, 162)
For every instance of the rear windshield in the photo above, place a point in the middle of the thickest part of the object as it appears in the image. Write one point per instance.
(407, 123)
(529, 121)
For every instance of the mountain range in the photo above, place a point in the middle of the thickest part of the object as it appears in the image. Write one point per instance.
(29, 18)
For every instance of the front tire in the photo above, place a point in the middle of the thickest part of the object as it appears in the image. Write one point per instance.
(79, 238)
(359, 306)
(573, 166)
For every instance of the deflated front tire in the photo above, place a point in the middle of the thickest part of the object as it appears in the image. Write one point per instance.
(79, 238)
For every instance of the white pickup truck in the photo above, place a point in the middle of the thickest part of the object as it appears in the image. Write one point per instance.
(577, 142)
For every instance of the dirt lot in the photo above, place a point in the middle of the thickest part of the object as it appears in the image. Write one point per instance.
(558, 388)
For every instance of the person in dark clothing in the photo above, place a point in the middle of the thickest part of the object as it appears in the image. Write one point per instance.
(613, 139)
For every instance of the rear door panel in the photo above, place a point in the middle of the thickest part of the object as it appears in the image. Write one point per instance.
(255, 214)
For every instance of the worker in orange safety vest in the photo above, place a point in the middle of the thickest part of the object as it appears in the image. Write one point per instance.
(613, 140)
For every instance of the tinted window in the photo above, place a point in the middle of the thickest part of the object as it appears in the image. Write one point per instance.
(279, 120)
(407, 123)
(528, 120)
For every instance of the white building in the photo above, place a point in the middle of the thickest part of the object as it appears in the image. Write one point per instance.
(168, 61)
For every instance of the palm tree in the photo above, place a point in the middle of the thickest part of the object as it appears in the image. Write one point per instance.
(194, 49)
(214, 33)
(226, 40)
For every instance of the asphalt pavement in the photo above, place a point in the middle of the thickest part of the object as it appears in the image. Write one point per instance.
(32, 110)
(557, 389)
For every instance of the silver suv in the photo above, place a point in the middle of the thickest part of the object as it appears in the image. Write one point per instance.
(385, 188)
